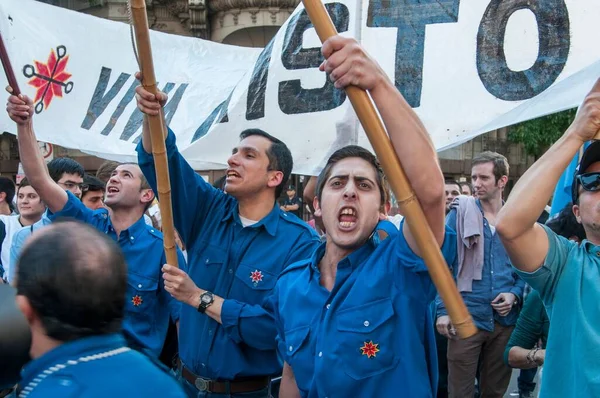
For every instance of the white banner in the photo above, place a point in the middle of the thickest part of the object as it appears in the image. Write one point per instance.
(467, 67)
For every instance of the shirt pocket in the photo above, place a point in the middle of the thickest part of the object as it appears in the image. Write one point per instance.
(297, 352)
(210, 260)
(366, 339)
(141, 301)
(256, 280)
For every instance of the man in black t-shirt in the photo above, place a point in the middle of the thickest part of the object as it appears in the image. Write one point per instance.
(292, 204)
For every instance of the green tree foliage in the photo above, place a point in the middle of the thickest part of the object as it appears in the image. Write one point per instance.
(538, 134)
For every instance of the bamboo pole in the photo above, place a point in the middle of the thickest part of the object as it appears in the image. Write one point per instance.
(157, 128)
(411, 207)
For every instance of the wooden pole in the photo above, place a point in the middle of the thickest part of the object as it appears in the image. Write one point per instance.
(157, 128)
(411, 207)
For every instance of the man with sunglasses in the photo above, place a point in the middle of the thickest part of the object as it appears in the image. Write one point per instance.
(566, 274)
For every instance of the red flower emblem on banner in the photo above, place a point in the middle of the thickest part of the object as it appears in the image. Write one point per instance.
(137, 300)
(49, 78)
(256, 276)
(370, 349)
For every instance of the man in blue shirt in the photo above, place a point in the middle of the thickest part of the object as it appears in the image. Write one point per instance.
(149, 307)
(565, 274)
(68, 174)
(493, 297)
(238, 243)
(70, 283)
(354, 320)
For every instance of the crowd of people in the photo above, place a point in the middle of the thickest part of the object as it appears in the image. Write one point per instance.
(263, 304)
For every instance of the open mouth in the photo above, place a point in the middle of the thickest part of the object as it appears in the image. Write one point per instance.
(232, 174)
(112, 190)
(347, 217)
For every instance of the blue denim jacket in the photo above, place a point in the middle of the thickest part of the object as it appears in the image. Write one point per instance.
(498, 277)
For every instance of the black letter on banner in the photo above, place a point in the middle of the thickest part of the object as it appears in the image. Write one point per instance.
(171, 106)
(219, 113)
(411, 17)
(294, 99)
(255, 102)
(554, 43)
(136, 118)
(100, 100)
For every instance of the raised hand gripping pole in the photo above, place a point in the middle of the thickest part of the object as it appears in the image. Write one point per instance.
(411, 207)
(157, 128)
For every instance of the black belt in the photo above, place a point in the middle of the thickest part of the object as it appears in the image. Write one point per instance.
(235, 386)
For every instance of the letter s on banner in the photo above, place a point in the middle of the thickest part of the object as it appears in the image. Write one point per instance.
(294, 99)
(554, 42)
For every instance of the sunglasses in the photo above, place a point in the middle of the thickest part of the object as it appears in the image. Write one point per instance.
(589, 181)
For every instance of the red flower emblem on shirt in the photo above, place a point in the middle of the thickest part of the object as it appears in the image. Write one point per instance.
(137, 300)
(370, 349)
(256, 276)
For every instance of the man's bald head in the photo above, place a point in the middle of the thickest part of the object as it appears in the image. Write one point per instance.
(75, 279)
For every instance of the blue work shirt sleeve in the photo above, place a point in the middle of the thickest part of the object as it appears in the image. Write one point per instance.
(192, 196)
(545, 279)
(74, 208)
(254, 324)
(450, 223)
(410, 260)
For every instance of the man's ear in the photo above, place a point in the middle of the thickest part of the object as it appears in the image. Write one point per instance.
(2, 196)
(502, 182)
(25, 307)
(575, 209)
(275, 178)
(317, 206)
(147, 196)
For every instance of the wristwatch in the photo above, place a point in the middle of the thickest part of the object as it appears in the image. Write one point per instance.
(206, 300)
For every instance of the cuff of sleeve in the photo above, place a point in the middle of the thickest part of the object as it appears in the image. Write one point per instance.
(230, 318)
(147, 158)
(441, 311)
(518, 292)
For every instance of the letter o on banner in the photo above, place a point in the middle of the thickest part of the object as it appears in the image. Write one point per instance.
(554, 42)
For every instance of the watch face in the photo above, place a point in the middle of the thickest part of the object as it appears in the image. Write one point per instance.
(205, 298)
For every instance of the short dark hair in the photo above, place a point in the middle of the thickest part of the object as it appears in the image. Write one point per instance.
(354, 151)
(75, 278)
(501, 167)
(280, 157)
(450, 181)
(565, 224)
(466, 184)
(24, 183)
(8, 187)
(59, 166)
(93, 184)
(106, 169)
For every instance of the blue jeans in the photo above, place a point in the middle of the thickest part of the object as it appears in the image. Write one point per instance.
(192, 392)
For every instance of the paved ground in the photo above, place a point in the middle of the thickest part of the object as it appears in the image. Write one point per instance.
(512, 391)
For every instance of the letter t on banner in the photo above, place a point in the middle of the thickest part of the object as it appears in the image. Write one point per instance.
(415, 218)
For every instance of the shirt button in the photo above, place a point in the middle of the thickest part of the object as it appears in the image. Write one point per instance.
(207, 260)
(597, 254)
(151, 230)
(290, 348)
(203, 365)
(131, 238)
(140, 286)
(230, 271)
(327, 306)
(320, 354)
(210, 332)
(366, 323)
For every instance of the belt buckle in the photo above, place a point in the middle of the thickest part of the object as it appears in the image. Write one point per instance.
(202, 384)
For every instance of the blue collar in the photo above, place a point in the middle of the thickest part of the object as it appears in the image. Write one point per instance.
(352, 260)
(132, 233)
(71, 350)
(269, 222)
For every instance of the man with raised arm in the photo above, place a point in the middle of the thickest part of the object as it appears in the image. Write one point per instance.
(565, 274)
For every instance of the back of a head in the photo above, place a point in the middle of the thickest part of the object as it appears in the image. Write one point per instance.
(75, 278)
(353, 151)
(59, 166)
(106, 169)
(565, 224)
(8, 187)
(280, 157)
